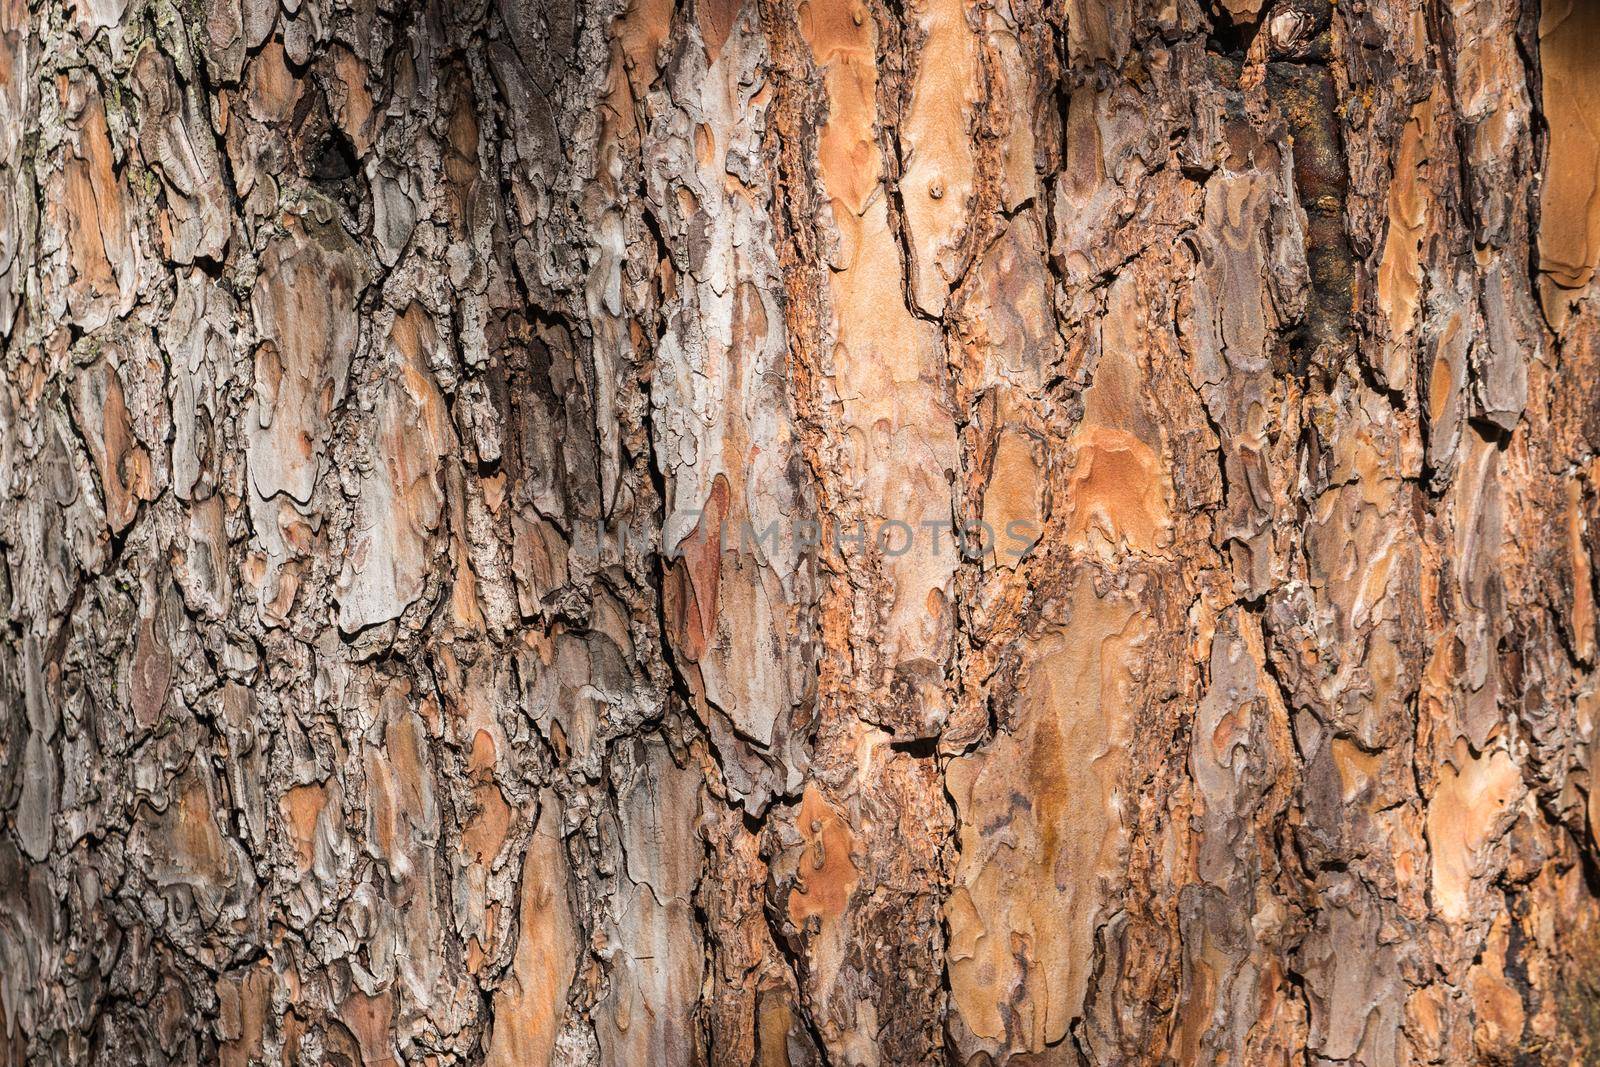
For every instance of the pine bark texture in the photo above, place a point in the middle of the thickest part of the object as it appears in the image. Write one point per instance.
(477, 484)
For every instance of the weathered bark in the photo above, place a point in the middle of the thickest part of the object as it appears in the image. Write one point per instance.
(478, 486)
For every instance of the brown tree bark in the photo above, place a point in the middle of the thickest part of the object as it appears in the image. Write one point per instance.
(799, 532)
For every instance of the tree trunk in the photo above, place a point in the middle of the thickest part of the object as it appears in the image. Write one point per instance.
(799, 532)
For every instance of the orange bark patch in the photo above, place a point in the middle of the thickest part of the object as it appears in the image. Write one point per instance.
(484, 835)
(1040, 829)
(1497, 1006)
(302, 806)
(940, 153)
(1115, 493)
(1583, 620)
(355, 111)
(92, 212)
(716, 23)
(198, 841)
(1012, 495)
(1400, 273)
(368, 1019)
(1463, 815)
(530, 1004)
(245, 1003)
(831, 875)
(399, 787)
(692, 593)
(842, 37)
(1569, 208)
(272, 89)
(121, 462)
(827, 878)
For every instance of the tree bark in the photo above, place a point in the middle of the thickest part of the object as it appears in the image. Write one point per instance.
(799, 532)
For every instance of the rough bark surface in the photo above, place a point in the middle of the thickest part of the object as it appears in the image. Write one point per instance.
(477, 484)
